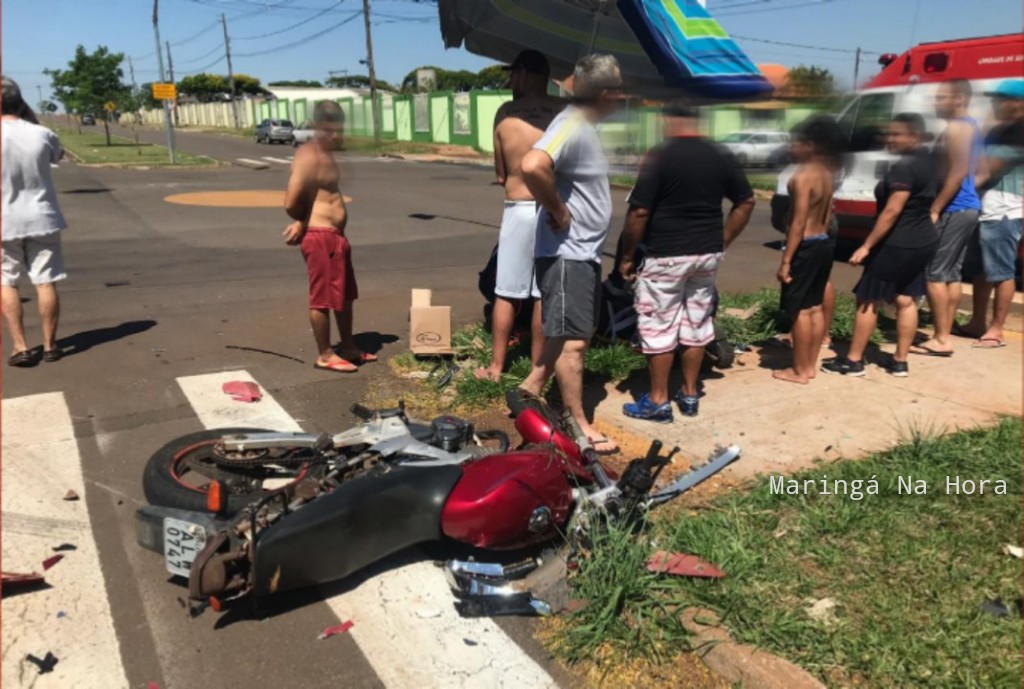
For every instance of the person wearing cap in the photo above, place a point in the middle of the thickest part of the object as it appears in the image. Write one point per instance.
(518, 125)
(675, 208)
(999, 231)
(567, 172)
(31, 223)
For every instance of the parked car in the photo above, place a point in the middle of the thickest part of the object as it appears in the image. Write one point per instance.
(88, 120)
(303, 133)
(755, 148)
(270, 131)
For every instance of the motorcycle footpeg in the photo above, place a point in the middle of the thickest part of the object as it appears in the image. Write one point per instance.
(494, 606)
(482, 591)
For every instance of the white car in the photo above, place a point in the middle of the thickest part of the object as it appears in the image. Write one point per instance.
(303, 133)
(756, 148)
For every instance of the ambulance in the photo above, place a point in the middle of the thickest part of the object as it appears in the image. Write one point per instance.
(907, 83)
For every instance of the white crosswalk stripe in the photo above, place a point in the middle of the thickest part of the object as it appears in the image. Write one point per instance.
(405, 621)
(41, 463)
(282, 161)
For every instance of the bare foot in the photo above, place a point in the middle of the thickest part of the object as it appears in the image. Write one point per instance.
(790, 376)
(335, 363)
(490, 373)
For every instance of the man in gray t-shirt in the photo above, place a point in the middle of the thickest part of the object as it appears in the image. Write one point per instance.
(567, 173)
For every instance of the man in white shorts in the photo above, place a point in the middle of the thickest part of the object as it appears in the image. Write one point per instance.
(31, 223)
(518, 125)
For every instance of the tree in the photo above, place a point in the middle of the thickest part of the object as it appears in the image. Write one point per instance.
(813, 83)
(204, 87)
(146, 97)
(90, 81)
(447, 80)
(247, 84)
(303, 83)
(492, 78)
(358, 81)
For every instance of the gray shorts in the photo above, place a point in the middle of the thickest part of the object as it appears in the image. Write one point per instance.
(955, 230)
(570, 297)
(516, 244)
(39, 257)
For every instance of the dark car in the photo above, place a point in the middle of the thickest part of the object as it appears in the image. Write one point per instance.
(270, 131)
(88, 120)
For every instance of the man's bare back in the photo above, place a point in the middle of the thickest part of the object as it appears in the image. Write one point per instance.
(518, 125)
(812, 181)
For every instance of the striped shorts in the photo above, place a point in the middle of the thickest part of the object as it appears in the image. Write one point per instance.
(675, 302)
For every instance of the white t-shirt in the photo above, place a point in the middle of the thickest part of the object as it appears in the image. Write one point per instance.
(29, 199)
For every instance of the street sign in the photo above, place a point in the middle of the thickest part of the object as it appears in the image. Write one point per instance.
(164, 92)
(111, 106)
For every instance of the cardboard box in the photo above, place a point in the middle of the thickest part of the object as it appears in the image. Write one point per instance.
(430, 327)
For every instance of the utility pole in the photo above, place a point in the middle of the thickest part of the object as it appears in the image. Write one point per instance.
(160, 66)
(231, 72)
(373, 76)
(39, 89)
(856, 68)
(170, 69)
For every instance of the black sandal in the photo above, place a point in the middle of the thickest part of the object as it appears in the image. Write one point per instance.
(53, 355)
(22, 359)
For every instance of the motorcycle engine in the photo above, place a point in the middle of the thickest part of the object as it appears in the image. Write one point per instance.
(451, 433)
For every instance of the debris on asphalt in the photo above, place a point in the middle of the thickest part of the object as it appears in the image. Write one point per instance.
(45, 665)
(682, 565)
(427, 614)
(265, 351)
(71, 495)
(339, 629)
(64, 547)
(822, 611)
(61, 614)
(51, 561)
(12, 581)
(1013, 551)
(470, 642)
(243, 391)
(996, 608)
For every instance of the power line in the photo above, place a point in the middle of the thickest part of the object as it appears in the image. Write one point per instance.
(770, 8)
(203, 56)
(202, 69)
(293, 26)
(306, 39)
(195, 35)
(801, 45)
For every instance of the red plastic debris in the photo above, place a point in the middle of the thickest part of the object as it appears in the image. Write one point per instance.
(51, 561)
(71, 495)
(340, 629)
(10, 581)
(682, 565)
(152, 685)
(243, 391)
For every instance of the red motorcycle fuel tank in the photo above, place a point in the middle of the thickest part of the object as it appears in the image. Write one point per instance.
(509, 500)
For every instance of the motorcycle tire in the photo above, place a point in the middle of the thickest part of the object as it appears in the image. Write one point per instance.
(162, 488)
(724, 354)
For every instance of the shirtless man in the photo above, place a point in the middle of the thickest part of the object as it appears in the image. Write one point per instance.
(807, 259)
(518, 125)
(314, 201)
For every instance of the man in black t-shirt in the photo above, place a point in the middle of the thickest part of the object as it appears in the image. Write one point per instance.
(676, 210)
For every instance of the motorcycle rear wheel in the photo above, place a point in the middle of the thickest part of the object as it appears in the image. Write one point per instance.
(178, 474)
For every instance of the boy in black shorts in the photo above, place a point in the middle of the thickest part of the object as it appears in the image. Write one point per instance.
(807, 259)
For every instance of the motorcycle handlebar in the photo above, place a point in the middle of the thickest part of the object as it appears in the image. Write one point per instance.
(362, 412)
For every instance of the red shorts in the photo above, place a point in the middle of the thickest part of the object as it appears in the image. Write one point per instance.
(332, 281)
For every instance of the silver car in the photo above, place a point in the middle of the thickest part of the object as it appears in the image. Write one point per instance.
(756, 148)
(271, 131)
(303, 133)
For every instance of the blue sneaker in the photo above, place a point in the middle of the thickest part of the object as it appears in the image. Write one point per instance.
(644, 409)
(688, 406)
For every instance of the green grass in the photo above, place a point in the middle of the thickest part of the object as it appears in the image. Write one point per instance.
(908, 572)
(90, 147)
(765, 181)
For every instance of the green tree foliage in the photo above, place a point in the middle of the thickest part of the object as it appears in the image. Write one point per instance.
(90, 81)
(203, 87)
(358, 81)
(815, 83)
(492, 78)
(301, 83)
(247, 85)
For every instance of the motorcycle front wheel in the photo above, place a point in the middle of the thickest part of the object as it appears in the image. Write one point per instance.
(179, 474)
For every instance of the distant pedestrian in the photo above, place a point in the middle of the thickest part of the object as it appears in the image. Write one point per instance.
(31, 222)
(999, 232)
(567, 173)
(518, 125)
(806, 265)
(675, 208)
(315, 202)
(898, 250)
(955, 212)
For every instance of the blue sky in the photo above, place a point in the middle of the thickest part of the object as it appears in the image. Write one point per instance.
(38, 34)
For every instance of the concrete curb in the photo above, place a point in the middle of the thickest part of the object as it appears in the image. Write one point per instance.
(739, 663)
(250, 164)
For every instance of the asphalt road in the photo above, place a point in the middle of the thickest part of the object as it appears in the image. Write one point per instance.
(160, 293)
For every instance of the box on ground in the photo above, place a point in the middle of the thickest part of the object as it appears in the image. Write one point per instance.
(430, 327)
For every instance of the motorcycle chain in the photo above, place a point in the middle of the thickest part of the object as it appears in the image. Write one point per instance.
(224, 461)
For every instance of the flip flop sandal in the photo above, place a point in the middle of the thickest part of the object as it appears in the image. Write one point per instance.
(342, 366)
(978, 344)
(22, 359)
(928, 351)
(53, 355)
(603, 440)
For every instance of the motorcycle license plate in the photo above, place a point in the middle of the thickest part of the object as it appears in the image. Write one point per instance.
(182, 542)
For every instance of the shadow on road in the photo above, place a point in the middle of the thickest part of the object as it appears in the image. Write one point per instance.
(373, 342)
(83, 341)
(431, 216)
(95, 190)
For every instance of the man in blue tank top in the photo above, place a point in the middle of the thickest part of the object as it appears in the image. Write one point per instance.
(955, 211)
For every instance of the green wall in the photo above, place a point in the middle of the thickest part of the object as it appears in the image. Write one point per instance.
(440, 118)
(403, 118)
(485, 108)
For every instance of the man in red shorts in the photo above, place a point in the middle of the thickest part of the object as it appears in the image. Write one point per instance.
(315, 203)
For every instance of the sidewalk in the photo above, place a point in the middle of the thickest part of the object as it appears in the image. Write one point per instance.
(783, 427)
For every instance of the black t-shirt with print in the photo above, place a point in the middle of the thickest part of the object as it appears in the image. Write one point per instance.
(916, 173)
(682, 183)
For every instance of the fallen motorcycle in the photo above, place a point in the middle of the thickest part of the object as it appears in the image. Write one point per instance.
(251, 513)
